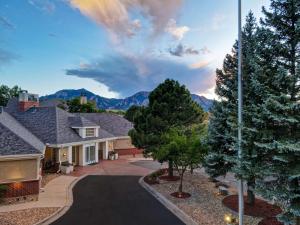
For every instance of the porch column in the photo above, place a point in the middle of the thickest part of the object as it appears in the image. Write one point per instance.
(70, 154)
(97, 152)
(105, 151)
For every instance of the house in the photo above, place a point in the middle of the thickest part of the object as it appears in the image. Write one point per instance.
(36, 138)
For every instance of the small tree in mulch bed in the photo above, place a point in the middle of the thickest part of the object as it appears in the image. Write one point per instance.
(261, 208)
(186, 149)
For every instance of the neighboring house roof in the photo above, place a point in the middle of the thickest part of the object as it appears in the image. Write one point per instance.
(53, 103)
(15, 139)
(79, 121)
(113, 123)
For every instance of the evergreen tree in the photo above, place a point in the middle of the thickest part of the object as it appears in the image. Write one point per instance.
(278, 120)
(223, 124)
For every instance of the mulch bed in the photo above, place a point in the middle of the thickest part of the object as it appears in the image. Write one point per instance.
(168, 178)
(261, 208)
(270, 221)
(181, 195)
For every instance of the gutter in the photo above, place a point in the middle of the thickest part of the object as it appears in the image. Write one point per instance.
(85, 142)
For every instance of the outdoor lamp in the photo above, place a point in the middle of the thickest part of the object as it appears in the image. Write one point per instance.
(230, 220)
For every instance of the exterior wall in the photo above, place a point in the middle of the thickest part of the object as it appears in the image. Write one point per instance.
(130, 151)
(22, 188)
(64, 154)
(81, 156)
(125, 147)
(19, 170)
(110, 146)
(124, 143)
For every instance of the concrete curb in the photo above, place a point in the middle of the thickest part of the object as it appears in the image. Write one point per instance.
(60, 212)
(168, 204)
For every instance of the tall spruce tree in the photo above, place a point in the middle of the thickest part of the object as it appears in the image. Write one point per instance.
(278, 120)
(223, 124)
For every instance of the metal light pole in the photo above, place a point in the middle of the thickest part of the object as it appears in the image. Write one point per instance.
(240, 109)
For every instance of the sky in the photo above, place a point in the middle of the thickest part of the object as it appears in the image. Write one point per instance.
(116, 48)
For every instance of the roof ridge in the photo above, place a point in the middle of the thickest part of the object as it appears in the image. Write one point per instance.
(23, 127)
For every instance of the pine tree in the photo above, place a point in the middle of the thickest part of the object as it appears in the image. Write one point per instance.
(223, 124)
(170, 106)
(278, 121)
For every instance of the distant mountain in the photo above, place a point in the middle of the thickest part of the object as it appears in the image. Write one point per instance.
(140, 98)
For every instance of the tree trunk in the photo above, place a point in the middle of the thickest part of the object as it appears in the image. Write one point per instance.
(170, 169)
(250, 193)
(180, 185)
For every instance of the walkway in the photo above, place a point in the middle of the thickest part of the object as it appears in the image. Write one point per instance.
(115, 200)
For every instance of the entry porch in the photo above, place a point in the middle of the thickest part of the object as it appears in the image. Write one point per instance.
(76, 155)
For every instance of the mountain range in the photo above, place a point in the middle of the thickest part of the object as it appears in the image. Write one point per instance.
(140, 98)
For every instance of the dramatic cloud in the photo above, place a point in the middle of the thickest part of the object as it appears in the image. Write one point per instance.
(44, 5)
(181, 50)
(114, 14)
(6, 57)
(200, 64)
(127, 74)
(6, 23)
(176, 32)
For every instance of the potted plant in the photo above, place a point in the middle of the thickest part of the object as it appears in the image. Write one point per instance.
(66, 167)
(111, 155)
(116, 155)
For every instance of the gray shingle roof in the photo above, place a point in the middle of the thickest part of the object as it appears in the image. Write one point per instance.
(53, 125)
(16, 139)
(113, 123)
(79, 121)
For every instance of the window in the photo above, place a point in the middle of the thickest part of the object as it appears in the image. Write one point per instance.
(90, 154)
(90, 132)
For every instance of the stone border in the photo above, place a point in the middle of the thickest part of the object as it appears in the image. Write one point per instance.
(167, 203)
(61, 211)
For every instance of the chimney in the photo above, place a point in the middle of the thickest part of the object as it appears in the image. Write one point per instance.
(83, 99)
(27, 101)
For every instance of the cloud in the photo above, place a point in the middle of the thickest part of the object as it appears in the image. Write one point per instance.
(176, 32)
(181, 50)
(200, 64)
(6, 23)
(129, 74)
(6, 57)
(44, 5)
(114, 15)
(52, 35)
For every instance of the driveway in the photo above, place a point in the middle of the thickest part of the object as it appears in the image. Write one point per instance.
(115, 200)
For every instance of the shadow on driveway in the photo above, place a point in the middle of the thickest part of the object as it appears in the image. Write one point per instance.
(115, 200)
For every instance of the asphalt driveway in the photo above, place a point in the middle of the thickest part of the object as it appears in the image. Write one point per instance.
(115, 200)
